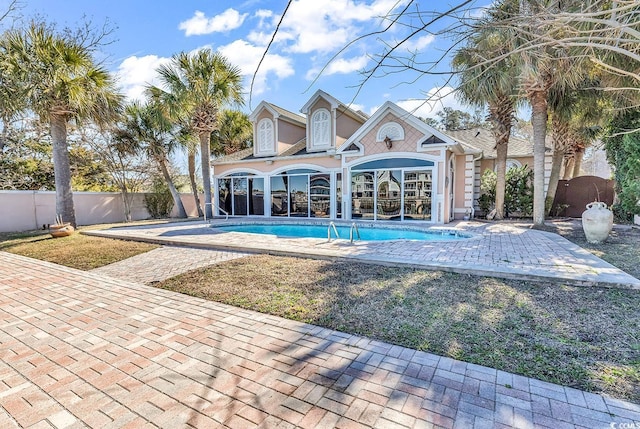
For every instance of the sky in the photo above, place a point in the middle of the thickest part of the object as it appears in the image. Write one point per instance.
(298, 63)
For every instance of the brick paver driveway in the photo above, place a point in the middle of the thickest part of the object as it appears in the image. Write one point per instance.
(80, 349)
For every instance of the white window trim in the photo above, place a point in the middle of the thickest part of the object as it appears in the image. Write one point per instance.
(383, 132)
(259, 151)
(329, 143)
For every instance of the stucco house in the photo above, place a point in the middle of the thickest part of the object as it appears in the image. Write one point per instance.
(333, 162)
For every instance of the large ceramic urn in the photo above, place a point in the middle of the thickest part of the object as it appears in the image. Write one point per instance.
(597, 222)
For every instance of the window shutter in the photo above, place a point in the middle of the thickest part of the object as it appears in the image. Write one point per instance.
(265, 136)
(321, 128)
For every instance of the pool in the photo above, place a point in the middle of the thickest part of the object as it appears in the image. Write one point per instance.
(367, 233)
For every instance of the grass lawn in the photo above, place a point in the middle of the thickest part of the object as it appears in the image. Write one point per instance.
(77, 251)
(587, 338)
(621, 249)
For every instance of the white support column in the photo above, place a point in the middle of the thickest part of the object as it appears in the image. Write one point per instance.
(469, 181)
(267, 196)
(548, 161)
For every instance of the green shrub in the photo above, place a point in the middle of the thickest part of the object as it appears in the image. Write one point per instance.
(623, 152)
(159, 201)
(518, 194)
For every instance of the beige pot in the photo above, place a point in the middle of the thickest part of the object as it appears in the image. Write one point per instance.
(61, 230)
(597, 222)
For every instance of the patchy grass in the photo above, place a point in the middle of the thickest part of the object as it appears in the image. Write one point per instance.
(76, 251)
(622, 248)
(587, 338)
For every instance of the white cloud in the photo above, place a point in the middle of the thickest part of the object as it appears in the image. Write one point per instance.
(437, 98)
(247, 56)
(135, 73)
(199, 24)
(323, 26)
(340, 66)
(419, 44)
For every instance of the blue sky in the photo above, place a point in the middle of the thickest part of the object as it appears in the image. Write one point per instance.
(149, 32)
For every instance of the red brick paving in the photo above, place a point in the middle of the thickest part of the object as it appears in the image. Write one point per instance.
(79, 349)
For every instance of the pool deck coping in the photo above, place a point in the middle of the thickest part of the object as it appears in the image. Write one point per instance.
(495, 250)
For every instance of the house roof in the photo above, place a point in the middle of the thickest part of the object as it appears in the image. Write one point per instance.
(335, 104)
(298, 149)
(482, 140)
(288, 114)
(241, 155)
(389, 107)
(278, 112)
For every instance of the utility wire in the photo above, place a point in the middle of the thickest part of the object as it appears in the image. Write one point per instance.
(264, 54)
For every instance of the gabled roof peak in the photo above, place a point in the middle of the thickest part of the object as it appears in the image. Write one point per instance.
(335, 104)
(277, 112)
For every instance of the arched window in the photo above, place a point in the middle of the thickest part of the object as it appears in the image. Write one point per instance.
(393, 130)
(321, 128)
(266, 139)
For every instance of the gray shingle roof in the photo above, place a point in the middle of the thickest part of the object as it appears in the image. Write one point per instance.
(236, 156)
(297, 149)
(483, 140)
(288, 114)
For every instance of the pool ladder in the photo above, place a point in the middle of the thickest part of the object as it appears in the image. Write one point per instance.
(213, 209)
(332, 224)
(354, 227)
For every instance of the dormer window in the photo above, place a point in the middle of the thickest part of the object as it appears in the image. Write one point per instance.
(390, 130)
(321, 129)
(266, 138)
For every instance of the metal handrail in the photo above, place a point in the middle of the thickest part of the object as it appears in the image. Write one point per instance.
(354, 226)
(213, 209)
(332, 224)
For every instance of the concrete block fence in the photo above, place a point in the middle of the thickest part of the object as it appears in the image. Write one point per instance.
(28, 210)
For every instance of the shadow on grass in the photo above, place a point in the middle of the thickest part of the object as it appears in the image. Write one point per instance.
(580, 337)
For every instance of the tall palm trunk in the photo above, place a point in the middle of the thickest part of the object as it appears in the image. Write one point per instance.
(568, 167)
(191, 162)
(538, 100)
(62, 169)
(205, 156)
(501, 114)
(162, 163)
(577, 161)
(560, 136)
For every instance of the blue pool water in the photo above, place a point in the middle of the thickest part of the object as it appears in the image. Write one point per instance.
(320, 231)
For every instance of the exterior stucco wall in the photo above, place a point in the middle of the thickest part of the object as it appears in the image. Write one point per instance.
(289, 134)
(345, 127)
(28, 210)
(373, 147)
(325, 162)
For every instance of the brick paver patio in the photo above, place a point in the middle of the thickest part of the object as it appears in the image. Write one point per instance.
(82, 349)
(165, 262)
(498, 250)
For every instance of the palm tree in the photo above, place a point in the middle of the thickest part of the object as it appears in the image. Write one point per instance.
(12, 95)
(62, 83)
(494, 85)
(144, 128)
(197, 87)
(234, 133)
(577, 117)
(189, 142)
(541, 68)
